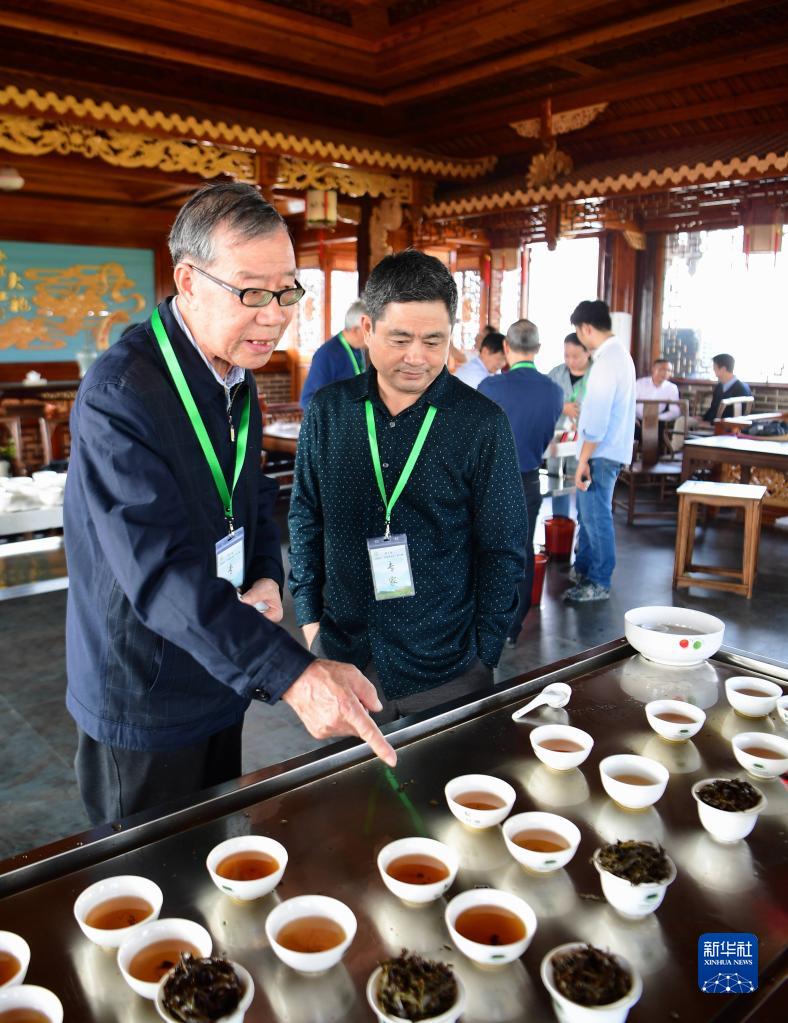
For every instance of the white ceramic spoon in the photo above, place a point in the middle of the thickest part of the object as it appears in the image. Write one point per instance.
(557, 694)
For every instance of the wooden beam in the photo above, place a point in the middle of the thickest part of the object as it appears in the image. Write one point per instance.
(572, 43)
(623, 83)
(180, 55)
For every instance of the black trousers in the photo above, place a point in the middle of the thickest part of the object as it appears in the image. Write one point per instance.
(533, 502)
(115, 782)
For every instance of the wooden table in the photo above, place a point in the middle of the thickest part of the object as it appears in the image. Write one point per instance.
(738, 423)
(761, 461)
(281, 436)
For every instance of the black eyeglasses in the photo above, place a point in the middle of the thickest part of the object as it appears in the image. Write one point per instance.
(257, 297)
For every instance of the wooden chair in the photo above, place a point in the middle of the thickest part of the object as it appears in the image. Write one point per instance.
(11, 434)
(696, 494)
(24, 422)
(55, 438)
(652, 468)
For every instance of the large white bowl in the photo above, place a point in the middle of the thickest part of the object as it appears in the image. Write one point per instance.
(112, 888)
(450, 1016)
(234, 1017)
(16, 946)
(571, 1012)
(752, 706)
(418, 894)
(491, 955)
(633, 900)
(151, 934)
(30, 996)
(310, 905)
(682, 648)
(726, 825)
(479, 819)
(633, 797)
(555, 759)
(245, 891)
(761, 767)
(541, 862)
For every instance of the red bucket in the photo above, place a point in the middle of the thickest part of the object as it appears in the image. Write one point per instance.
(559, 536)
(540, 567)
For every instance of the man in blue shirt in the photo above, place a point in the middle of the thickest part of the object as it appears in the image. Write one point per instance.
(488, 362)
(407, 518)
(605, 431)
(533, 404)
(339, 358)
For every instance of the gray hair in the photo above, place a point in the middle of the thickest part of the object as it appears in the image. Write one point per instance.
(409, 276)
(354, 313)
(238, 206)
(523, 336)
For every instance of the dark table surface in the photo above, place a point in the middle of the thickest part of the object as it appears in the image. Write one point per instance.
(334, 811)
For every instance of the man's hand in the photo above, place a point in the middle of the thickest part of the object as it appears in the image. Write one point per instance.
(572, 409)
(310, 631)
(332, 699)
(583, 475)
(265, 590)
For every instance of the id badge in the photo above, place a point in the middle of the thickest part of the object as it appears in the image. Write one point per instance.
(230, 558)
(390, 561)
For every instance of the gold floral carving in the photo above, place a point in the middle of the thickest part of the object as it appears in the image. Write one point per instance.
(568, 120)
(386, 216)
(303, 174)
(699, 174)
(29, 136)
(546, 167)
(776, 482)
(237, 135)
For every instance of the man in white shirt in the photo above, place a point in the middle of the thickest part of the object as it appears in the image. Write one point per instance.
(488, 362)
(605, 430)
(658, 387)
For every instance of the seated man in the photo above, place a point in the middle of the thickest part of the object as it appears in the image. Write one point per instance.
(728, 386)
(488, 362)
(657, 387)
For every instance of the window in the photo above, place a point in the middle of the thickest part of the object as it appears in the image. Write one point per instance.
(557, 281)
(716, 299)
(510, 298)
(310, 331)
(344, 292)
(469, 296)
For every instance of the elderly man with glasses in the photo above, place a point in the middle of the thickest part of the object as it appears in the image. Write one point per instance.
(175, 570)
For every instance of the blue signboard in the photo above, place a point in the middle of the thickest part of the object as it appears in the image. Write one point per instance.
(58, 300)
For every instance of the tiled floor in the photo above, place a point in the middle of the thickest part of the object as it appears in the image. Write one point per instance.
(37, 789)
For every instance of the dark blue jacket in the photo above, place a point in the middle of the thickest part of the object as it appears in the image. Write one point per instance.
(737, 389)
(160, 653)
(329, 363)
(533, 402)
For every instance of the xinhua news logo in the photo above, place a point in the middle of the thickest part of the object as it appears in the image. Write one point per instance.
(727, 963)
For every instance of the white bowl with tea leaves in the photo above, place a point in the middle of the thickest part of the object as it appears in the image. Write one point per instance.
(677, 636)
(634, 876)
(568, 969)
(409, 987)
(728, 807)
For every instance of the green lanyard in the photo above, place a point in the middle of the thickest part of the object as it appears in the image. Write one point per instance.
(358, 367)
(198, 426)
(579, 389)
(527, 364)
(415, 451)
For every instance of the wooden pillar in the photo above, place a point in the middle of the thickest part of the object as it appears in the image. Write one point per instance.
(646, 326)
(362, 243)
(620, 273)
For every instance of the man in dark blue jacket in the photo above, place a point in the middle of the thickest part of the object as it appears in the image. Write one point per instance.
(175, 570)
(339, 358)
(533, 403)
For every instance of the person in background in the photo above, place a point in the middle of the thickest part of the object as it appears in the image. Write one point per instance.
(407, 517)
(657, 387)
(728, 386)
(488, 362)
(339, 358)
(605, 430)
(174, 559)
(488, 328)
(571, 375)
(533, 404)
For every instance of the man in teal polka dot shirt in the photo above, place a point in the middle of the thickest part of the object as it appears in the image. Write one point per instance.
(407, 518)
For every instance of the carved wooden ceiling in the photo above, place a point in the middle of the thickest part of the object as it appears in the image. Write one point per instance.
(442, 77)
